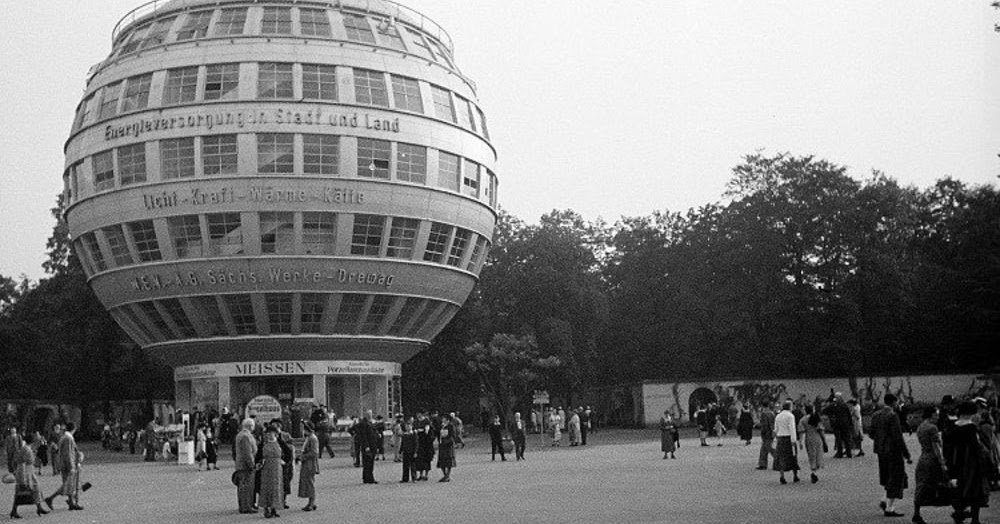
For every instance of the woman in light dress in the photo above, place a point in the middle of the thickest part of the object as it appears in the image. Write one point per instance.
(556, 425)
(574, 429)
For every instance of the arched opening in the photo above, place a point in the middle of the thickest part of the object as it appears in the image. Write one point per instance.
(700, 397)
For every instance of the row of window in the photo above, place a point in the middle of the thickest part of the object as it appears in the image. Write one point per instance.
(281, 154)
(278, 81)
(208, 316)
(281, 233)
(283, 21)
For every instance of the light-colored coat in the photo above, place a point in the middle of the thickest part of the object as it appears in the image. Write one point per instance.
(310, 467)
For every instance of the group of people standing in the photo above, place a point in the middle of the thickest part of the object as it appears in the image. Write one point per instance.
(265, 461)
(576, 423)
(23, 465)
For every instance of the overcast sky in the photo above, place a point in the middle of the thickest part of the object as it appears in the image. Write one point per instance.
(610, 109)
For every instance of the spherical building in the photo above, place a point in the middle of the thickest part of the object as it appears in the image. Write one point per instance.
(281, 198)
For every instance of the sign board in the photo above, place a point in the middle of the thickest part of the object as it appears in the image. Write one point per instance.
(265, 407)
(540, 397)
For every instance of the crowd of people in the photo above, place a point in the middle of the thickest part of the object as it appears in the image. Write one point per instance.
(24, 466)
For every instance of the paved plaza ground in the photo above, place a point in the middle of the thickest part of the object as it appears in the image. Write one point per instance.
(618, 477)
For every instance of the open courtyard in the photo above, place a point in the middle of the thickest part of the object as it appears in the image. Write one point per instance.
(619, 476)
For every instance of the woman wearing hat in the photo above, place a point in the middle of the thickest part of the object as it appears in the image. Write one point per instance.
(310, 466)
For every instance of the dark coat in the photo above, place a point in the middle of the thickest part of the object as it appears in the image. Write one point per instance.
(887, 433)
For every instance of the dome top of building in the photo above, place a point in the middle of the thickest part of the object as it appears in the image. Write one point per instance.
(387, 8)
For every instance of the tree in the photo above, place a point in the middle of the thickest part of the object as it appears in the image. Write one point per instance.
(508, 369)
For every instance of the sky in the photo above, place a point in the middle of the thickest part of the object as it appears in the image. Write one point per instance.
(609, 109)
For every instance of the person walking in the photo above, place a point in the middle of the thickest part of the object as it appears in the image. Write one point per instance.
(69, 468)
(785, 451)
(408, 449)
(519, 436)
(11, 444)
(26, 491)
(40, 449)
(766, 438)
(309, 466)
(667, 429)
(271, 493)
(812, 437)
(887, 433)
(496, 439)
(931, 472)
(446, 448)
(968, 465)
(246, 451)
(367, 446)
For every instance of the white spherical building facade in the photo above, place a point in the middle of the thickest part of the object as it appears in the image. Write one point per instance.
(281, 198)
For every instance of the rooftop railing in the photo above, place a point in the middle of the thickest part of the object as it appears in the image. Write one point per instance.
(386, 8)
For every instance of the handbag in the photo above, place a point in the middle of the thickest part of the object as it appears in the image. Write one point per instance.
(8, 478)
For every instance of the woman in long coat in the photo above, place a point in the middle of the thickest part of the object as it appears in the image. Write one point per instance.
(667, 429)
(968, 464)
(425, 447)
(310, 467)
(574, 429)
(271, 492)
(26, 489)
(931, 471)
(811, 435)
(557, 426)
(446, 448)
(745, 425)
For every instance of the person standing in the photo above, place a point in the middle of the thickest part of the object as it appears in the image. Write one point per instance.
(425, 446)
(407, 449)
(200, 449)
(26, 489)
(309, 466)
(54, 437)
(719, 427)
(556, 422)
(397, 438)
(856, 430)
(574, 428)
(701, 419)
(367, 446)
(667, 429)
(931, 471)
(785, 431)
(496, 439)
(968, 465)
(839, 415)
(69, 468)
(887, 433)
(519, 435)
(271, 495)
(287, 461)
(459, 433)
(246, 451)
(584, 425)
(745, 425)
(811, 436)
(11, 444)
(211, 449)
(446, 448)
(766, 437)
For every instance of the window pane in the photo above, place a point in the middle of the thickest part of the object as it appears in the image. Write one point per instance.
(389, 35)
(470, 178)
(175, 311)
(144, 238)
(274, 81)
(222, 82)
(351, 307)
(448, 170)
(134, 40)
(119, 247)
(157, 33)
(367, 237)
(406, 94)
(241, 310)
(277, 233)
(279, 312)
(231, 21)
(436, 242)
(313, 305)
(275, 153)
(176, 158)
(402, 237)
(465, 117)
(373, 158)
(211, 317)
(482, 122)
(276, 21)
(443, 107)
(137, 93)
(411, 163)
(421, 44)
(376, 314)
(405, 315)
(225, 236)
(319, 233)
(320, 154)
(219, 154)
(358, 29)
(185, 234)
(477, 252)
(90, 240)
(103, 166)
(109, 101)
(132, 164)
(314, 22)
(369, 88)
(319, 82)
(82, 113)
(195, 25)
(458, 246)
(181, 85)
(153, 314)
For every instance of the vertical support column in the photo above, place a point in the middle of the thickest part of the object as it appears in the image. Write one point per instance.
(224, 400)
(319, 390)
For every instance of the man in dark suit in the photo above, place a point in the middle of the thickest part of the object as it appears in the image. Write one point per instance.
(496, 438)
(887, 433)
(367, 443)
(584, 425)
